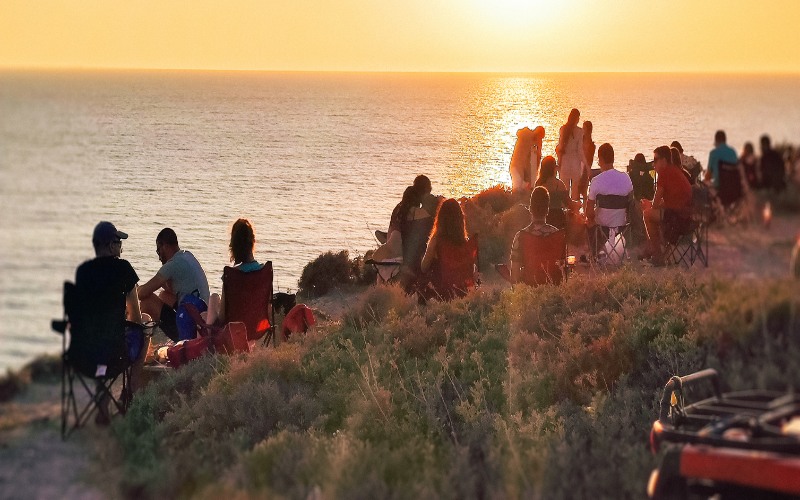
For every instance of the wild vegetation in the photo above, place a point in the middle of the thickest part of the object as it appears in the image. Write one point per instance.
(542, 392)
(532, 392)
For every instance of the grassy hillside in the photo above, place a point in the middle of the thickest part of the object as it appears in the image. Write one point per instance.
(542, 392)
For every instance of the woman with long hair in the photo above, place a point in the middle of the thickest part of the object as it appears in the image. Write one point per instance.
(570, 155)
(241, 250)
(559, 197)
(451, 256)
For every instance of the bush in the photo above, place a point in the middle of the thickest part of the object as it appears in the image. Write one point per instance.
(45, 368)
(333, 269)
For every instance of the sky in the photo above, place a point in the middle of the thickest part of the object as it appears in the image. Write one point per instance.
(404, 35)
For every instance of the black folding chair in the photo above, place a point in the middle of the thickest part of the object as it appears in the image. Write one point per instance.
(689, 244)
(731, 205)
(93, 357)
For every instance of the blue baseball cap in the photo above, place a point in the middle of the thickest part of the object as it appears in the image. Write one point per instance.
(105, 232)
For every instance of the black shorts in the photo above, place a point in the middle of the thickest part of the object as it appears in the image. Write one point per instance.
(168, 323)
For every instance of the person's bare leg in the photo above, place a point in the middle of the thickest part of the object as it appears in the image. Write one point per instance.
(212, 314)
(652, 224)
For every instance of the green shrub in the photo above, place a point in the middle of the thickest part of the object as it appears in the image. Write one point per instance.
(330, 270)
(45, 368)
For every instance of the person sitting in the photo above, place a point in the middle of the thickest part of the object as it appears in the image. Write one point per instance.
(451, 256)
(530, 235)
(688, 163)
(430, 203)
(669, 213)
(241, 247)
(752, 172)
(642, 177)
(108, 284)
(721, 153)
(182, 279)
(773, 168)
(560, 202)
(610, 182)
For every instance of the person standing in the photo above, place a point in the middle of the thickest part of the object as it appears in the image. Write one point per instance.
(520, 166)
(182, 279)
(571, 160)
(588, 153)
(536, 155)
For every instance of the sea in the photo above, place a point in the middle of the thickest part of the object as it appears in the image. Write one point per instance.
(316, 161)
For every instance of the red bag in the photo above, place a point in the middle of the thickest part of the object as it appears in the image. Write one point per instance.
(231, 338)
(297, 321)
(187, 350)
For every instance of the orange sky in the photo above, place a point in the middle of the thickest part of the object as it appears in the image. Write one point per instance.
(404, 35)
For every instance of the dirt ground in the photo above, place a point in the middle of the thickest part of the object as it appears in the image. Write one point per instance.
(36, 463)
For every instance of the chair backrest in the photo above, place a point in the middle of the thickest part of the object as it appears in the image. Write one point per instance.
(613, 201)
(454, 272)
(730, 183)
(96, 330)
(616, 202)
(248, 298)
(543, 257)
(641, 175)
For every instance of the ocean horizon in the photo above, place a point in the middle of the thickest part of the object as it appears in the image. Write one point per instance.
(316, 160)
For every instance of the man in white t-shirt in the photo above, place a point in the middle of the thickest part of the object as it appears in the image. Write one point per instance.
(608, 182)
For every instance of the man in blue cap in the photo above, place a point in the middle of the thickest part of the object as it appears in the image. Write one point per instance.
(108, 284)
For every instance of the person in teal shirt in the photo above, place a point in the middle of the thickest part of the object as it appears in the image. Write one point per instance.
(721, 152)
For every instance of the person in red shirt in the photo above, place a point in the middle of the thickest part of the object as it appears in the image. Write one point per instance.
(670, 209)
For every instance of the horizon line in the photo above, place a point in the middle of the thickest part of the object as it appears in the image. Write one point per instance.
(375, 71)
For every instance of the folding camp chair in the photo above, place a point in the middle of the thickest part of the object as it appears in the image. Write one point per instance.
(387, 271)
(609, 245)
(543, 257)
(248, 299)
(453, 273)
(93, 357)
(731, 205)
(744, 444)
(686, 245)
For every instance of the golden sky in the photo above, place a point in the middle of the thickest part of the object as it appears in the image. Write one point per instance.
(404, 35)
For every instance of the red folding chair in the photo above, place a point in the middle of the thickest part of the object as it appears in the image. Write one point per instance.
(543, 257)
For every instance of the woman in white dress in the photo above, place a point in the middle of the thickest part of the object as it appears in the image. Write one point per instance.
(521, 159)
(571, 160)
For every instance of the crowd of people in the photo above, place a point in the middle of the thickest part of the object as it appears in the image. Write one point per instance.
(427, 238)
(655, 195)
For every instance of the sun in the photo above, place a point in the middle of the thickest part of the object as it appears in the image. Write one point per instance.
(519, 14)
